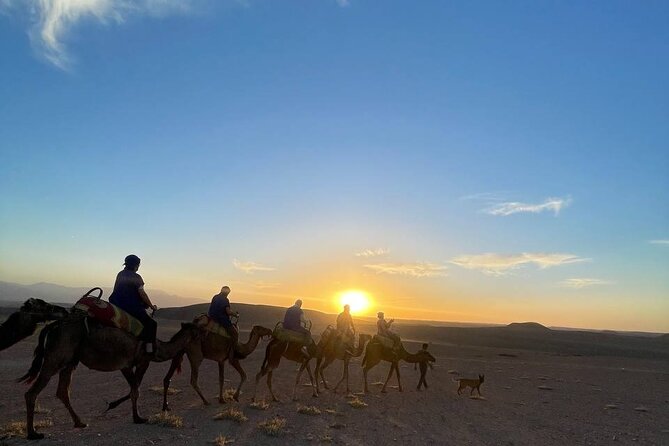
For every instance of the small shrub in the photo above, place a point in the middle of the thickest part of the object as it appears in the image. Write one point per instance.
(229, 394)
(357, 403)
(308, 410)
(18, 428)
(259, 405)
(273, 427)
(159, 390)
(222, 440)
(166, 419)
(233, 414)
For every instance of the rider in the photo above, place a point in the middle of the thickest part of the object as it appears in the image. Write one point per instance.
(345, 326)
(219, 311)
(383, 327)
(129, 295)
(294, 320)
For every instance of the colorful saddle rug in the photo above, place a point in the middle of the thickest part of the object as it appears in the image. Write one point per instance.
(205, 322)
(285, 335)
(109, 314)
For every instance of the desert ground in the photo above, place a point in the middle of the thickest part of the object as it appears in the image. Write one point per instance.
(529, 398)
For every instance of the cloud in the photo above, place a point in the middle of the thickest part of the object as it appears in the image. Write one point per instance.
(501, 264)
(250, 267)
(659, 242)
(582, 282)
(513, 207)
(266, 285)
(417, 269)
(343, 3)
(372, 252)
(52, 20)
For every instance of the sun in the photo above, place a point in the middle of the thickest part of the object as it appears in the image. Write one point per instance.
(358, 300)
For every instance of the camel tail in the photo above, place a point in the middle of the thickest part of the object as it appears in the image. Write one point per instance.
(36, 365)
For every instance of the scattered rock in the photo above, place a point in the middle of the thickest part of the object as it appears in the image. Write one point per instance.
(641, 409)
(453, 372)
(611, 406)
(545, 388)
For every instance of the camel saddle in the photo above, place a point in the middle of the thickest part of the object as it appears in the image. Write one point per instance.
(109, 314)
(384, 340)
(206, 323)
(286, 335)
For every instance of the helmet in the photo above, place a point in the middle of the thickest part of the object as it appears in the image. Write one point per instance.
(132, 260)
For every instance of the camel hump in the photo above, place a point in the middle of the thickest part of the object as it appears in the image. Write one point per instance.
(384, 341)
(203, 321)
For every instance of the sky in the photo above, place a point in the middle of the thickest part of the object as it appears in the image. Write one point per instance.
(460, 161)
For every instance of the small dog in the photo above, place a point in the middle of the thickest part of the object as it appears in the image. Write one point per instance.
(473, 383)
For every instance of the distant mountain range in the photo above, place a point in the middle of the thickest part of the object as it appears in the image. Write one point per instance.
(183, 308)
(12, 293)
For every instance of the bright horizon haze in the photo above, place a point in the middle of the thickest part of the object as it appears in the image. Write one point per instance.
(457, 161)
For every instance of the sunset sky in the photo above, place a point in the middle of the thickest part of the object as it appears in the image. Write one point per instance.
(461, 161)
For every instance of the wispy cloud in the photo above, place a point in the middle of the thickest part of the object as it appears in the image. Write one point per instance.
(417, 269)
(373, 252)
(513, 207)
(501, 264)
(582, 282)
(343, 3)
(52, 20)
(266, 285)
(250, 267)
(659, 242)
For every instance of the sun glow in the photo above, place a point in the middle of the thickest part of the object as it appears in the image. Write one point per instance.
(358, 300)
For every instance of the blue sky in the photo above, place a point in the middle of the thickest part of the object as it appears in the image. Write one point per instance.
(500, 161)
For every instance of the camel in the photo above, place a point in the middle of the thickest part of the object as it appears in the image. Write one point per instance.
(216, 348)
(291, 351)
(376, 352)
(65, 343)
(23, 323)
(331, 348)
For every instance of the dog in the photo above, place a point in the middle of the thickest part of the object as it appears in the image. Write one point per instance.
(473, 383)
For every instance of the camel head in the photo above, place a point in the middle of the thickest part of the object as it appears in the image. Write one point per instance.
(261, 331)
(43, 310)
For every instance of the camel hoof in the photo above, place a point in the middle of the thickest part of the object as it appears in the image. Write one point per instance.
(384, 391)
(166, 408)
(206, 403)
(139, 420)
(80, 425)
(236, 397)
(276, 400)
(401, 390)
(222, 401)
(34, 436)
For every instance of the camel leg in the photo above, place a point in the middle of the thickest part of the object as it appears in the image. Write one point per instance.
(63, 394)
(390, 374)
(314, 393)
(134, 394)
(344, 376)
(30, 397)
(194, 373)
(325, 365)
(176, 363)
(269, 384)
(297, 379)
(242, 375)
(364, 372)
(399, 381)
(221, 381)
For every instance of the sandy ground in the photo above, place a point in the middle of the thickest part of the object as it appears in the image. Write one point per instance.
(584, 400)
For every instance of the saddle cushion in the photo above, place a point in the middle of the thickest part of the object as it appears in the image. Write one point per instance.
(205, 322)
(383, 340)
(109, 314)
(285, 335)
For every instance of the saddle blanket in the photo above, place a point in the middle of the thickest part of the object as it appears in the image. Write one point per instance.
(205, 322)
(385, 341)
(109, 314)
(285, 335)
